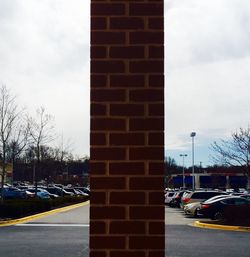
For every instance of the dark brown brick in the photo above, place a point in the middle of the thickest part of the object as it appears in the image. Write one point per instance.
(112, 124)
(156, 198)
(146, 124)
(146, 153)
(97, 168)
(127, 109)
(156, 52)
(127, 123)
(98, 23)
(104, 9)
(127, 168)
(108, 153)
(98, 109)
(128, 52)
(127, 227)
(156, 23)
(128, 253)
(146, 212)
(147, 183)
(156, 109)
(98, 139)
(117, 139)
(107, 242)
(156, 168)
(107, 66)
(107, 38)
(107, 212)
(156, 138)
(107, 95)
(107, 182)
(128, 81)
(127, 198)
(96, 253)
(151, 242)
(98, 197)
(97, 227)
(158, 253)
(157, 227)
(146, 66)
(146, 37)
(146, 9)
(98, 52)
(146, 95)
(98, 81)
(127, 23)
(156, 81)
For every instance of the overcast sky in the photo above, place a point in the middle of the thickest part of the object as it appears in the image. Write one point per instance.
(44, 59)
(207, 73)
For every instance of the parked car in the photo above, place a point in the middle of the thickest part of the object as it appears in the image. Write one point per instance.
(176, 199)
(58, 191)
(192, 208)
(169, 196)
(83, 189)
(72, 190)
(199, 196)
(41, 194)
(246, 196)
(52, 196)
(13, 192)
(215, 209)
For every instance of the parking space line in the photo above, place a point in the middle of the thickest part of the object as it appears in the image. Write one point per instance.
(51, 225)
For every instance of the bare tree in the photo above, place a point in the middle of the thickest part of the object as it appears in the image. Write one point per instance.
(10, 116)
(235, 151)
(41, 130)
(20, 139)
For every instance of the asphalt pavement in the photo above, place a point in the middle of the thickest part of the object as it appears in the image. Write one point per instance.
(62, 234)
(66, 234)
(184, 240)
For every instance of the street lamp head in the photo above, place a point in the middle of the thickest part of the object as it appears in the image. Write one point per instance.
(183, 155)
(193, 134)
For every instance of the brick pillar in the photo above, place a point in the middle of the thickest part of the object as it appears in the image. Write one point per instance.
(127, 129)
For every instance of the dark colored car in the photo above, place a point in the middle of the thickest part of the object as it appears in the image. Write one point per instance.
(12, 193)
(83, 189)
(176, 200)
(73, 191)
(58, 191)
(215, 209)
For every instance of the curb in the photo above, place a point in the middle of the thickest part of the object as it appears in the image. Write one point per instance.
(221, 227)
(40, 215)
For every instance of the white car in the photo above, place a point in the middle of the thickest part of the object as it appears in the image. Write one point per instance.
(169, 196)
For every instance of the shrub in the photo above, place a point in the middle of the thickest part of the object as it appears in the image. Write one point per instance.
(24, 207)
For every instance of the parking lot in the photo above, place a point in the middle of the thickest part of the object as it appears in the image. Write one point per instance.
(185, 240)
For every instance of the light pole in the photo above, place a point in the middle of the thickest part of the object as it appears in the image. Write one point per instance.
(183, 177)
(193, 134)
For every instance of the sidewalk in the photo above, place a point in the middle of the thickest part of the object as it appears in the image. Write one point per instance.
(11, 222)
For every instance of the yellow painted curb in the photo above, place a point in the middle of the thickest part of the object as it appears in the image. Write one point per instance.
(222, 227)
(40, 215)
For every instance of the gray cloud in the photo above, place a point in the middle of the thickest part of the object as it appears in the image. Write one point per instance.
(207, 69)
(44, 58)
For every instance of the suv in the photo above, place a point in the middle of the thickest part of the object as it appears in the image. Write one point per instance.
(176, 199)
(199, 196)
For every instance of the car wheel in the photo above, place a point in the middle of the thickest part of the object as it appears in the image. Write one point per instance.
(195, 213)
(218, 216)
